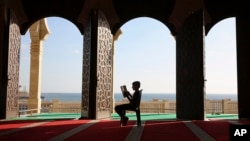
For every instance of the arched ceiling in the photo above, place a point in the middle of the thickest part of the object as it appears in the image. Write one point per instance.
(158, 9)
(35, 10)
(222, 9)
(170, 12)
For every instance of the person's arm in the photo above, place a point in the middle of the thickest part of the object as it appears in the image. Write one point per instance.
(129, 96)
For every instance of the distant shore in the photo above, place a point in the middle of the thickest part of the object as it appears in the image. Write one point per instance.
(145, 96)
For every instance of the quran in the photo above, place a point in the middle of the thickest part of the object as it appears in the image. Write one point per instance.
(124, 90)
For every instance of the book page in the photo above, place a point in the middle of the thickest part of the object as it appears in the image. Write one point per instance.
(124, 90)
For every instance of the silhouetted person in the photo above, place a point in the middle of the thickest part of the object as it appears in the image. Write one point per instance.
(133, 99)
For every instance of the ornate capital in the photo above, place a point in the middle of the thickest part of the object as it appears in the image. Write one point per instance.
(39, 30)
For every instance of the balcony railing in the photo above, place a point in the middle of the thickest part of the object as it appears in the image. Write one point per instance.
(224, 106)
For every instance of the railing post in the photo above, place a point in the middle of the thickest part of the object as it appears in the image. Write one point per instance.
(225, 105)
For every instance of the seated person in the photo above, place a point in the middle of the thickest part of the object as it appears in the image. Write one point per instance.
(121, 109)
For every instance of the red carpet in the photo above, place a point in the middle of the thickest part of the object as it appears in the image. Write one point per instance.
(167, 130)
(8, 125)
(247, 122)
(219, 129)
(43, 132)
(110, 130)
(105, 130)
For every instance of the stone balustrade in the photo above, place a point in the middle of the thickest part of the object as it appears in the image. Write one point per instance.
(224, 106)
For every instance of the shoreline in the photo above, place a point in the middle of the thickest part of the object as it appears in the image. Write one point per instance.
(145, 96)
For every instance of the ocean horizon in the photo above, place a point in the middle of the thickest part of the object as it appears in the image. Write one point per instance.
(145, 96)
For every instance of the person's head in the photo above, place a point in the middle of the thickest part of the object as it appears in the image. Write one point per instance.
(136, 85)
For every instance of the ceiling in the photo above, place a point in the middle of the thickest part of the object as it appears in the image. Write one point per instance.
(170, 12)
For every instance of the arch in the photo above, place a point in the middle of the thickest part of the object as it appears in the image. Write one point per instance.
(56, 45)
(209, 26)
(47, 81)
(169, 25)
(131, 10)
(216, 13)
(28, 11)
(56, 8)
(221, 67)
(147, 65)
(217, 51)
(28, 24)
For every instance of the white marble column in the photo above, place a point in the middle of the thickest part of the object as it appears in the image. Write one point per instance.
(38, 33)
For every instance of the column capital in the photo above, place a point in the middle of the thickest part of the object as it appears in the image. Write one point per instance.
(117, 34)
(39, 30)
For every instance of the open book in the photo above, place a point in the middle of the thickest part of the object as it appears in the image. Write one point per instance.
(124, 90)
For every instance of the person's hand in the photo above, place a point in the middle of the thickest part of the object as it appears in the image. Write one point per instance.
(126, 93)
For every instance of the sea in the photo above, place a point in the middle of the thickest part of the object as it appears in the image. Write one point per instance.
(145, 96)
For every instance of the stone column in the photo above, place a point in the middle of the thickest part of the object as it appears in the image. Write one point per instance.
(89, 69)
(117, 35)
(189, 69)
(3, 58)
(97, 68)
(38, 33)
(243, 65)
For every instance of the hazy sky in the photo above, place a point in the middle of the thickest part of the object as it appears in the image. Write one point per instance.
(145, 51)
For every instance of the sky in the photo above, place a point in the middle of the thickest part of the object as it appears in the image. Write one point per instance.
(145, 51)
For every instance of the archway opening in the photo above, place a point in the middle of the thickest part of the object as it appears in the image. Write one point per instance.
(61, 69)
(221, 71)
(145, 51)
